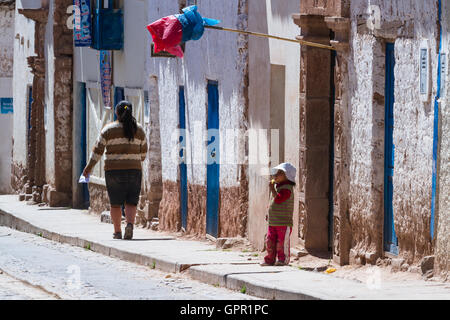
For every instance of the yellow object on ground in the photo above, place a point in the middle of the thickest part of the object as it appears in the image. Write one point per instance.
(330, 270)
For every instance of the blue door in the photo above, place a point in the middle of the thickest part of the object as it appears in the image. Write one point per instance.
(83, 141)
(390, 239)
(182, 165)
(213, 156)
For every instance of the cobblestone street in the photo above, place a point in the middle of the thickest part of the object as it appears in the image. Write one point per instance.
(53, 270)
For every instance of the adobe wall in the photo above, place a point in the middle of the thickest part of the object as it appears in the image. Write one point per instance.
(223, 58)
(406, 23)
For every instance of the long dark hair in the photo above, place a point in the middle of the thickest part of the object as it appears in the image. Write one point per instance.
(124, 110)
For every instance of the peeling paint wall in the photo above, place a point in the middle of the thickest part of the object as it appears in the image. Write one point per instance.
(49, 94)
(407, 23)
(218, 56)
(6, 91)
(24, 46)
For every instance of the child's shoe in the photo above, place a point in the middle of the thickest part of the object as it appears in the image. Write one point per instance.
(265, 264)
(280, 263)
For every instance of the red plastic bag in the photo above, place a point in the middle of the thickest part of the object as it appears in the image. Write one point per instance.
(167, 34)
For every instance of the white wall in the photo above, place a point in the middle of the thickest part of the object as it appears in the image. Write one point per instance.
(214, 57)
(49, 97)
(272, 17)
(6, 91)
(23, 47)
(6, 125)
(408, 24)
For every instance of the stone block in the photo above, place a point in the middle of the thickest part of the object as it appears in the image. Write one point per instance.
(226, 243)
(415, 269)
(397, 264)
(45, 193)
(428, 275)
(299, 253)
(106, 217)
(371, 258)
(404, 267)
(154, 226)
(353, 255)
(426, 264)
(58, 199)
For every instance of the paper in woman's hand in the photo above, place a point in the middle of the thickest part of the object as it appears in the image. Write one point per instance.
(83, 179)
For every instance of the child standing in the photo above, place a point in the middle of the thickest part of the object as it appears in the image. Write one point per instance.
(280, 215)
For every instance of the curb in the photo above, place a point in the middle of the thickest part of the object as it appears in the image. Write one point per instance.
(9, 220)
(230, 281)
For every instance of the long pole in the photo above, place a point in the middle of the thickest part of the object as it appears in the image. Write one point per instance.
(306, 43)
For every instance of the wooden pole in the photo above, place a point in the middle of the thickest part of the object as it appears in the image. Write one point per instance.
(306, 43)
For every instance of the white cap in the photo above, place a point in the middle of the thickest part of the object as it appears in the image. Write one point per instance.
(287, 168)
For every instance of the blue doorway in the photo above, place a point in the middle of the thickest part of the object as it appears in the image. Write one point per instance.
(213, 160)
(182, 159)
(389, 238)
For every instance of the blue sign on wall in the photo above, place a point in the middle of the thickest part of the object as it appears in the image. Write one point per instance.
(106, 77)
(6, 105)
(82, 24)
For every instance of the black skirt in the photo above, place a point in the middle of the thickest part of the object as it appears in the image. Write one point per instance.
(124, 186)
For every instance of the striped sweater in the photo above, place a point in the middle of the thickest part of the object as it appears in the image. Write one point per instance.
(280, 214)
(121, 154)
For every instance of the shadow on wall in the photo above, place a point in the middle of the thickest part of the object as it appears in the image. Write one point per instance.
(284, 9)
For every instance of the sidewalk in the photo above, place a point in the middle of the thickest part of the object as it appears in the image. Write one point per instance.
(201, 260)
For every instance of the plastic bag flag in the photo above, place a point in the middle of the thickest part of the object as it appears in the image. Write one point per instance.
(169, 32)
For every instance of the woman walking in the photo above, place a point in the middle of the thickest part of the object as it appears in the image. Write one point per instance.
(126, 147)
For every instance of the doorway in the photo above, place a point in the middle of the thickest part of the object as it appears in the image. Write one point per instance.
(182, 157)
(213, 161)
(390, 239)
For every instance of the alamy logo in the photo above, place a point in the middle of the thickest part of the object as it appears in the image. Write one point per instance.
(74, 280)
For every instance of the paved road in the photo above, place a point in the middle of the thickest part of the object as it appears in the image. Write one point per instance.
(32, 267)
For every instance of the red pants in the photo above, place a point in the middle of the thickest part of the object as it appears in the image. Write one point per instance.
(278, 243)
